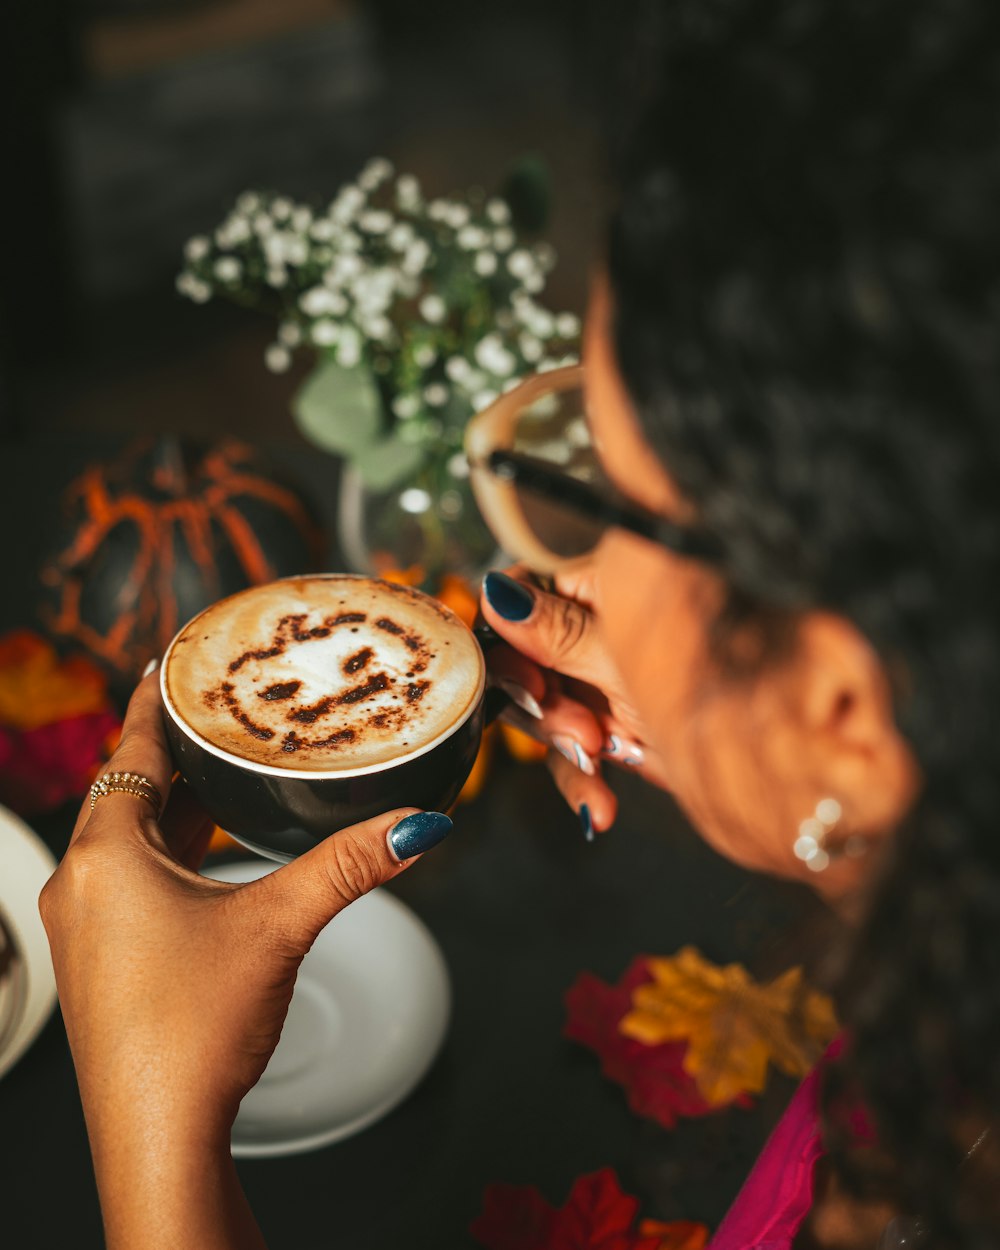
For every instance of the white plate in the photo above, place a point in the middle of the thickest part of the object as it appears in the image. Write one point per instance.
(368, 1015)
(25, 866)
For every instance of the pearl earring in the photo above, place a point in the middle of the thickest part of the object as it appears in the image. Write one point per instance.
(810, 846)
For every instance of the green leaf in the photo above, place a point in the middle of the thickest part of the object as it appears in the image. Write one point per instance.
(338, 409)
(388, 462)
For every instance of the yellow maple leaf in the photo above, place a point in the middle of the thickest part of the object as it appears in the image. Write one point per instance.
(733, 1025)
(37, 687)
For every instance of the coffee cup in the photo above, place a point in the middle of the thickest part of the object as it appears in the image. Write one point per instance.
(306, 705)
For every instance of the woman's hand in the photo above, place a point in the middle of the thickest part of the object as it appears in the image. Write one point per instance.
(174, 987)
(556, 658)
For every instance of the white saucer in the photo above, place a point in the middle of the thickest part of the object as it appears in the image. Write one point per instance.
(25, 866)
(369, 1012)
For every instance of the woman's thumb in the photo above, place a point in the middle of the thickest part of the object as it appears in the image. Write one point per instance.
(312, 889)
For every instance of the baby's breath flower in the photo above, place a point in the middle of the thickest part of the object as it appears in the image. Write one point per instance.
(433, 309)
(483, 399)
(375, 221)
(457, 368)
(228, 269)
(416, 258)
(458, 466)
(296, 250)
(277, 358)
(424, 355)
(533, 283)
(302, 218)
(197, 248)
(322, 230)
(456, 216)
(485, 264)
(378, 328)
(437, 210)
(281, 208)
(324, 333)
(321, 300)
(400, 236)
(248, 202)
(277, 276)
(263, 225)
(290, 334)
(492, 356)
(377, 171)
(531, 348)
(497, 211)
(233, 231)
(521, 263)
(503, 239)
(344, 269)
(407, 193)
(470, 238)
(406, 406)
(349, 201)
(567, 325)
(436, 395)
(547, 365)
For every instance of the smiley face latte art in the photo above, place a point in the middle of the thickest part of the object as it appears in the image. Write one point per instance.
(322, 674)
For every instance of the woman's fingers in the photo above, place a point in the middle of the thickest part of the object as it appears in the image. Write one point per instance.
(306, 894)
(589, 796)
(555, 632)
(143, 750)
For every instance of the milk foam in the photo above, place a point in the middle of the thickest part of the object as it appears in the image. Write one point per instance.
(322, 674)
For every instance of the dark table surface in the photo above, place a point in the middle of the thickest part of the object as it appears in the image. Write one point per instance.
(520, 905)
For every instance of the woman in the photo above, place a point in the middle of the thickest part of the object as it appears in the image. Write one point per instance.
(792, 378)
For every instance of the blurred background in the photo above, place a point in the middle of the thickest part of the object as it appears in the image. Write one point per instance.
(136, 123)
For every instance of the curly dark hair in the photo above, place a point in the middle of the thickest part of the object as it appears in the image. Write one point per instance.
(806, 273)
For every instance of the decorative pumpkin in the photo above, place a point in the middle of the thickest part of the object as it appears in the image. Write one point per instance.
(151, 539)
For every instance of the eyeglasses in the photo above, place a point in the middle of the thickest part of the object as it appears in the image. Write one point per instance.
(540, 484)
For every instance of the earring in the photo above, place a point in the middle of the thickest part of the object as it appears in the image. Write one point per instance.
(810, 845)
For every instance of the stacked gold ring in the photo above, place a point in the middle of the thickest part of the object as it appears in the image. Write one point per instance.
(124, 783)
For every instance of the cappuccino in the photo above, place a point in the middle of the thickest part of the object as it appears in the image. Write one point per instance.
(323, 675)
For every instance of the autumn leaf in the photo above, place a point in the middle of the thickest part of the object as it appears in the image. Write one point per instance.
(656, 1083)
(596, 1216)
(37, 687)
(44, 767)
(733, 1026)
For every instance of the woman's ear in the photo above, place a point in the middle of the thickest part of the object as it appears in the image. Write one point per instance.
(841, 698)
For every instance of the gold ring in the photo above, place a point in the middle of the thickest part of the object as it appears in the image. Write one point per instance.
(124, 783)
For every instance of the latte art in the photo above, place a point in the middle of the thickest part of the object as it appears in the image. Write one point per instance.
(322, 674)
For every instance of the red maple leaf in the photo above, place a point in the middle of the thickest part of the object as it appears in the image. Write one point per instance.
(596, 1216)
(654, 1079)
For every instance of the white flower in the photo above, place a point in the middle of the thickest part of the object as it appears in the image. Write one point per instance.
(349, 200)
(503, 239)
(483, 399)
(407, 192)
(521, 263)
(375, 221)
(547, 365)
(497, 211)
(571, 358)
(433, 309)
(263, 225)
(545, 255)
(438, 210)
(322, 230)
(457, 368)
(470, 238)
(378, 328)
(457, 216)
(197, 248)
(406, 406)
(531, 348)
(233, 231)
(248, 202)
(540, 322)
(324, 333)
(400, 236)
(350, 241)
(302, 218)
(277, 358)
(344, 269)
(567, 325)
(296, 250)
(492, 356)
(375, 173)
(373, 290)
(289, 334)
(424, 355)
(320, 300)
(417, 256)
(349, 348)
(533, 283)
(436, 395)
(228, 269)
(485, 264)
(281, 208)
(458, 466)
(277, 276)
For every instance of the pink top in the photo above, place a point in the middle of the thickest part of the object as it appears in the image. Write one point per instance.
(777, 1195)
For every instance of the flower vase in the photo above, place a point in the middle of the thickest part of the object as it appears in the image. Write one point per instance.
(422, 528)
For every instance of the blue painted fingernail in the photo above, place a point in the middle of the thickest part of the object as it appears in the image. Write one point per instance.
(508, 598)
(417, 833)
(586, 822)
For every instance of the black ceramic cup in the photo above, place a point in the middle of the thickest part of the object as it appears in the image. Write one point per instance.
(281, 812)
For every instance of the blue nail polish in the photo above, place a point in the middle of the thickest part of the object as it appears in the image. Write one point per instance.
(508, 598)
(418, 833)
(586, 822)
